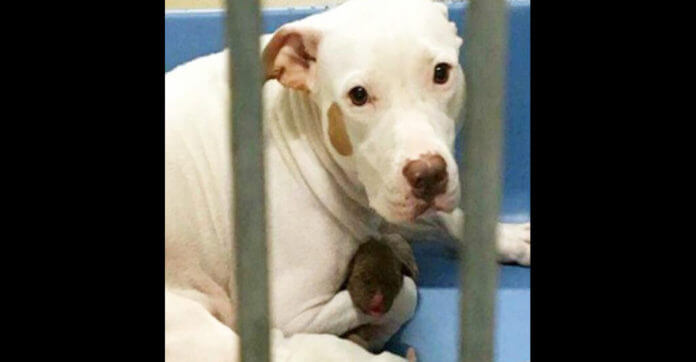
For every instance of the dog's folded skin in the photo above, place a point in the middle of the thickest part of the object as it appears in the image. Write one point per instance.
(341, 123)
(192, 334)
(303, 347)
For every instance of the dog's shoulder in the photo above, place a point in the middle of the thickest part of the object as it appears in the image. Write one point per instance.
(197, 90)
(200, 77)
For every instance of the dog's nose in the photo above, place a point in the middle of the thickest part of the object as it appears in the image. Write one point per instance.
(427, 176)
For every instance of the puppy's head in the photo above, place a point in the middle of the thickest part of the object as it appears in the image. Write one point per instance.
(386, 78)
(375, 277)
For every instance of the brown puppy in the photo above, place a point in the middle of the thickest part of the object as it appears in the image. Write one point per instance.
(375, 277)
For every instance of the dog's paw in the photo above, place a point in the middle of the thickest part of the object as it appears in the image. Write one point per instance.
(514, 243)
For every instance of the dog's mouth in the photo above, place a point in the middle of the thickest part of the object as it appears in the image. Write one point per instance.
(425, 209)
(412, 209)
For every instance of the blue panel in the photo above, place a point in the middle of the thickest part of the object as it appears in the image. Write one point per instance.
(188, 35)
(517, 108)
(193, 33)
(434, 329)
(515, 207)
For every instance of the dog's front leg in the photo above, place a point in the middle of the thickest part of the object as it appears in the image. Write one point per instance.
(336, 316)
(513, 241)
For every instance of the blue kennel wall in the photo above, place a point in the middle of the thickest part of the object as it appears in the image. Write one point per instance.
(434, 329)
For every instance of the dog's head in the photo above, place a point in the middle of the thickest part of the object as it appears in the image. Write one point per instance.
(386, 78)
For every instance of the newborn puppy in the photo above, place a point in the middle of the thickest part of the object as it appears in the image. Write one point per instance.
(376, 274)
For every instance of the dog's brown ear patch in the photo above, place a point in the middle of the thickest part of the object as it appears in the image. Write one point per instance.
(290, 56)
(337, 131)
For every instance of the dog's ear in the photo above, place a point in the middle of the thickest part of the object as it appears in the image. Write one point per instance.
(290, 56)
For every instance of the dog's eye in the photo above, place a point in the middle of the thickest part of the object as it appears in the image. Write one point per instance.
(358, 95)
(441, 74)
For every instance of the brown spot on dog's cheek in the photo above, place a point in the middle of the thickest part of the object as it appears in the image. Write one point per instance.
(337, 131)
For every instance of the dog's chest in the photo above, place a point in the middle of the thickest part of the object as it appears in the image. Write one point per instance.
(309, 250)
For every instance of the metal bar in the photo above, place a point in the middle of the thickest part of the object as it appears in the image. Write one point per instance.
(249, 210)
(485, 42)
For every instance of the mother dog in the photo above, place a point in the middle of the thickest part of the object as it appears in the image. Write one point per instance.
(360, 109)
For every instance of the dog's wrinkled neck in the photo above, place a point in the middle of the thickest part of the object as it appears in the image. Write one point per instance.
(295, 125)
(311, 124)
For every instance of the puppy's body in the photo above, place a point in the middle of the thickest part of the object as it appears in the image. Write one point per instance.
(375, 278)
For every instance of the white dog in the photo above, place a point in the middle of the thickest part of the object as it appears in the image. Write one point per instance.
(360, 106)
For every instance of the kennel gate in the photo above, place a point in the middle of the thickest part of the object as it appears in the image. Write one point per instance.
(485, 39)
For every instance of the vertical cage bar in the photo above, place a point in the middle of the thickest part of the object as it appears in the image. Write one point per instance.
(249, 210)
(485, 42)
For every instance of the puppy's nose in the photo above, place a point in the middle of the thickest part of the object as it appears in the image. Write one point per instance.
(376, 305)
(427, 176)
